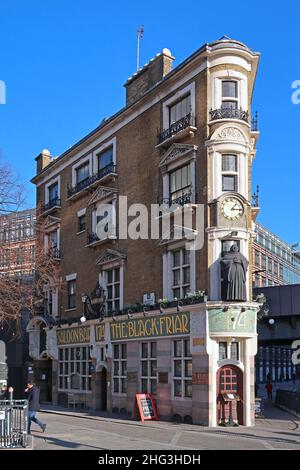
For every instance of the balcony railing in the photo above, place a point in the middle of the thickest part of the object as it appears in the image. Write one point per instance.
(108, 169)
(183, 123)
(229, 113)
(92, 237)
(55, 253)
(54, 203)
(186, 198)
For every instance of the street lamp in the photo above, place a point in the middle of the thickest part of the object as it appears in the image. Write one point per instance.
(94, 305)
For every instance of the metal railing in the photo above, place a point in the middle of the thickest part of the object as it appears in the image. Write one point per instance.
(108, 169)
(288, 400)
(13, 423)
(229, 113)
(180, 125)
(51, 204)
(186, 198)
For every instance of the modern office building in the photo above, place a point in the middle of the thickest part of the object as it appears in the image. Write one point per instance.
(17, 258)
(163, 314)
(275, 262)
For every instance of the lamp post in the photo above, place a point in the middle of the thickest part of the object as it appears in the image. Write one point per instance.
(94, 304)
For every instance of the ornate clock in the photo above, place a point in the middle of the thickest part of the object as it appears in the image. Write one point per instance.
(232, 208)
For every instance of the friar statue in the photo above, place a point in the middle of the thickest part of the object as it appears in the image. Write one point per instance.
(234, 267)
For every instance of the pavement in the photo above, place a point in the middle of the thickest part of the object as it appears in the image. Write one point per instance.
(78, 430)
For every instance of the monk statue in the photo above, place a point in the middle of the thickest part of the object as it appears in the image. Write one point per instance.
(234, 267)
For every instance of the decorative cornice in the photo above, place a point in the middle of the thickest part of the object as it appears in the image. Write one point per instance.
(101, 192)
(231, 133)
(176, 151)
(109, 256)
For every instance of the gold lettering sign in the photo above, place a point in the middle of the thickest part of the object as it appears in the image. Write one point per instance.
(100, 332)
(73, 335)
(161, 325)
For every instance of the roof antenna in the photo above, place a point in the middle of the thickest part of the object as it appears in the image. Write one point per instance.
(140, 34)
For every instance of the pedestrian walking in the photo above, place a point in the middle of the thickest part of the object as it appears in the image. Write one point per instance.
(33, 397)
(269, 388)
(294, 377)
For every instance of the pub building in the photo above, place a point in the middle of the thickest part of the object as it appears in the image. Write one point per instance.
(142, 315)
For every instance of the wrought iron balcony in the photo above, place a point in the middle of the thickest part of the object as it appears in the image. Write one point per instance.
(53, 204)
(176, 127)
(91, 180)
(187, 198)
(55, 253)
(92, 237)
(229, 113)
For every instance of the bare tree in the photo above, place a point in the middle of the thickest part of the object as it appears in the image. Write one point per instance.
(27, 269)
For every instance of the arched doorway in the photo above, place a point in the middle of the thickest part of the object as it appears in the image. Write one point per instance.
(229, 380)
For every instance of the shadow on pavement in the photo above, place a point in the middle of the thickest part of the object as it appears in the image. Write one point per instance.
(66, 444)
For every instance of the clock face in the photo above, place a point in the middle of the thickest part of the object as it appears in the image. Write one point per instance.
(232, 208)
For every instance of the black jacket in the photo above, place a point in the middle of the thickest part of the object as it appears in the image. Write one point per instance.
(33, 397)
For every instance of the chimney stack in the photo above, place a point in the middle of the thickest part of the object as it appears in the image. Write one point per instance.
(148, 76)
(42, 160)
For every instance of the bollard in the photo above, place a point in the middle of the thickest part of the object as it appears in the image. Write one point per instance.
(11, 393)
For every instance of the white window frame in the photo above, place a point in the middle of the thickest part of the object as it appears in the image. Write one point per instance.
(183, 377)
(103, 278)
(113, 201)
(231, 98)
(110, 143)
(190, 89)
(48, 185)
(216, 88)
(80, 163)
(168, 270)
(231, 173)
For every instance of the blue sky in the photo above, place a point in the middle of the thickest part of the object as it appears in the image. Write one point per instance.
(65, 62)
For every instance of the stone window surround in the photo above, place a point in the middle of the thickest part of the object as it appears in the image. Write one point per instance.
(168, 272)
(80, 163)
(176, 97)
(103, 282)
(48, 185)
(112, 200)
(216, 87)
(110, 143)
(190, 159)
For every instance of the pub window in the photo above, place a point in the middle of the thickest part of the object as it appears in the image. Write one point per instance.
(179, 109)
(234, 351)
(74, 369)
(72, 294)
(148, 367)
(82, 172)
(180, 273)
(182, 369)
(105, 158)
(229, 173)
(222, 350)
(229, 94)
(180, 183)
(119, 368)
(113, 289)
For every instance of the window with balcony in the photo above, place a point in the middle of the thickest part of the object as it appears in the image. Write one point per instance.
(81, 223)
(105, 158)
(72, 294)
(229, 173)
(229, 94)
(179, 109)
(180, 273)
(82, 173)
(53, 193)
(180, 184)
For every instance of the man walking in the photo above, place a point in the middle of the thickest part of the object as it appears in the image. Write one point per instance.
(33, 397)
(269, 388)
